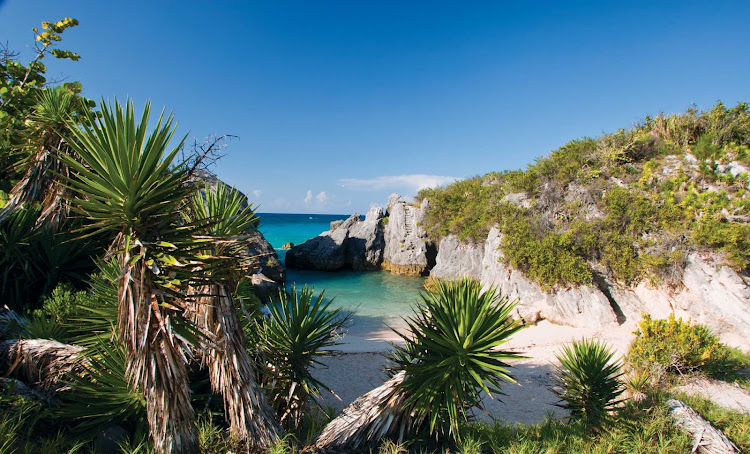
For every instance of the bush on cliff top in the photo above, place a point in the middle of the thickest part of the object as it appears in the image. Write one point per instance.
(632, 204)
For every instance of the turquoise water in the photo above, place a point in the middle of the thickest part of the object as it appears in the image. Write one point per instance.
(377, 299)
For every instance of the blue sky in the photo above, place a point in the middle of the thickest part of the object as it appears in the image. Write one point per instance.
(339, 103)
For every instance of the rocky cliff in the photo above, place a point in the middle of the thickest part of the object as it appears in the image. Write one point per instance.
(710, 293)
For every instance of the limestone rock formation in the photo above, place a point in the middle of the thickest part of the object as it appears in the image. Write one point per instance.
(268, 259)
(455, 259)
(711, 294)
(325, 252)
(287, 246)
(408, 250)
(364, 248)
(352, 243)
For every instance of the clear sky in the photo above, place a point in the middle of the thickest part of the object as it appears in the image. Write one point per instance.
(339, 103)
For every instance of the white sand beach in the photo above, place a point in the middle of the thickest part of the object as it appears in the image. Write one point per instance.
(361, 367)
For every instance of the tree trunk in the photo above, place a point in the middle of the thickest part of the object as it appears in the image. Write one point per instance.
(377, 414)
(707, 438)
(233, 371)
(156, 362)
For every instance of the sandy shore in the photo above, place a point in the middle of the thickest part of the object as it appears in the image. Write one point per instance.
(360, 368)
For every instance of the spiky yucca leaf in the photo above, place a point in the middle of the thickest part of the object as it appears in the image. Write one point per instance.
(589, 381)
(41, 172)
(451, 354)
(222, 214)
(101, 394)
(300, 327)
(126, 183)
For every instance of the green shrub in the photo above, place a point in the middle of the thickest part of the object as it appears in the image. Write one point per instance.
(589, 381)
(452, 354)
(300, 328)
(677, 346)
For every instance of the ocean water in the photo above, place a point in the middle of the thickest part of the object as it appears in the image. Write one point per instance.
(377, 300)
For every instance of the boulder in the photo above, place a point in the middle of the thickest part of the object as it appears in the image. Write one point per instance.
(407, 251)
(268, 259)
(326, 252)
(456, 259)
(364, 247)
(287, 246)
(352, 243)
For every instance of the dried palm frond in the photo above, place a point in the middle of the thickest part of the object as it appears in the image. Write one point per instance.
(40, 362)
(379, 413)
(707, 438)
(232, 371)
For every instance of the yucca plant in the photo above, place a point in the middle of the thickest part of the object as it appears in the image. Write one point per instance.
(451, 352)
(223, 214)
(451, 355)
(301, 326)
(100, 395)
(41, 172)
(588, 381)
(125, 182)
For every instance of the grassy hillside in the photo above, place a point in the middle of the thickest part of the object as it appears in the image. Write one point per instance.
(631, 204)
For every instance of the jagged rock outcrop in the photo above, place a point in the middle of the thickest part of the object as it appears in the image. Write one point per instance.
(364, 248)
(392, 241)
(711, 294)
(352, 243)
(325, 252)
(408, 250)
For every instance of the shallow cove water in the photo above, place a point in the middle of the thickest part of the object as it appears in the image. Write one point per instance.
(377, 299)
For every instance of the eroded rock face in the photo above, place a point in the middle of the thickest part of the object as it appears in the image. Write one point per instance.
(325, 252)
(455, 259)
(364, 248)
(353, 243)
(575, 306)
(408, 251)
(268, 259)
(711, 294)
(581, 306)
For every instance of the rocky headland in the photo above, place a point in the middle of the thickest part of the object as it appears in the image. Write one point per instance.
(389, 239)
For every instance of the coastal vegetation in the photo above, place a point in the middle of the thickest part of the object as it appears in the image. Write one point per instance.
(630, 205)
(132, 324)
